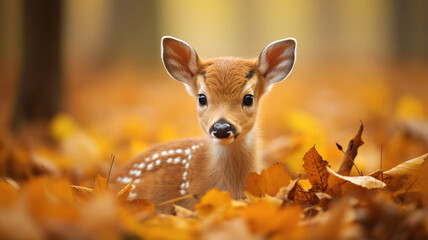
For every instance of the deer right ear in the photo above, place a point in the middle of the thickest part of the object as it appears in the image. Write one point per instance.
(277, 59)
(179, 59)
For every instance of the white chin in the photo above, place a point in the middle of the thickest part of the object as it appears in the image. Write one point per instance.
(223, 141)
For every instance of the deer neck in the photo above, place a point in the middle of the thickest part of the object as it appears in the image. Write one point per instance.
(231, 164)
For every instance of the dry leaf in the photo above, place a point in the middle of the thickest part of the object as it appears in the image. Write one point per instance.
(122, 195)
(215, 202)
(184, 212)
(352, 151)
(268, 219)
(82, 193)
(304, 197)
(409, 176)
(268, 182)
(315, 167)
(339, 185)
(100, 185)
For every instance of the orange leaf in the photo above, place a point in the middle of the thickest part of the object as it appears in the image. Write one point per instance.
(82, 193)
(8, 193)
(123, 194)
(100, 185)
(215, 201)
(265, 218)
(268, 182)
(315, 167)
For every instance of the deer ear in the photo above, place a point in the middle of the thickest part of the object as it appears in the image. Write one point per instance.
(277, 60)
(179, 59)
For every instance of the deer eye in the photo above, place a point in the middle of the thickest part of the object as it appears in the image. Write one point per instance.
(248, 100)
(202, 99)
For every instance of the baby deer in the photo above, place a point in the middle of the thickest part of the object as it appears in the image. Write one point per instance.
(228, 92)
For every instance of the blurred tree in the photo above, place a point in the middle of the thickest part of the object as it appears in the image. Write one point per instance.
(133, 31)
(39, 90)
(410, 25)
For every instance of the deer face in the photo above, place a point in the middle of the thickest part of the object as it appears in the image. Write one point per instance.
(227, 90)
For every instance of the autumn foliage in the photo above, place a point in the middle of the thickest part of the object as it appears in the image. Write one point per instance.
(317, 203)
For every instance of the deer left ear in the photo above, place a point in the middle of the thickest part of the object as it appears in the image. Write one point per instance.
(277, 60)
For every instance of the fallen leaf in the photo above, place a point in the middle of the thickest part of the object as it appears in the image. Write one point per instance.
(184, 212)
(122, 195)
(215, 202)
(268, 182)
(8, 193)
(82, 193)
(100, 185)
(304, 197)
(315, 167)
(268, 219)
(409, 176)
(339, 185)
(352, 151)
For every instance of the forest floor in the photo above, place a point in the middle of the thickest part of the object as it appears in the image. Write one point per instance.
(54, 176)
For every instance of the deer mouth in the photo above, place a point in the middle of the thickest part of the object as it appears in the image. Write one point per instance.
(224, 141)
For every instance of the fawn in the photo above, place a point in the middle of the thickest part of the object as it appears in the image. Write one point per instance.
(228, 92)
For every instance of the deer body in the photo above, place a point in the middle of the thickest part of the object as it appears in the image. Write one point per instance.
(228, 91)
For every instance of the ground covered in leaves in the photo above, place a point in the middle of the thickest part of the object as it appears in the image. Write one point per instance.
(324, 181)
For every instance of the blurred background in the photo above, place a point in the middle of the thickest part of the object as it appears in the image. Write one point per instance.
(81, 80)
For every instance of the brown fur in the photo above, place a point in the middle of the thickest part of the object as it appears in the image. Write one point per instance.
(224, 163)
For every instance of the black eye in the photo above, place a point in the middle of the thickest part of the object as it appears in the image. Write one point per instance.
(202, 99)
(248, 100)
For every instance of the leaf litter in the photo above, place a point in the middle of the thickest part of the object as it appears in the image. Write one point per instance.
(321, 203)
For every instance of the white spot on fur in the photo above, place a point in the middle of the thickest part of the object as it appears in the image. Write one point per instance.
(185, 175)
(187, 165)
(187, 184)
(155, 156)
(132, 195)
(177, 160)
(147, 159)
(137, 180)
(149, 166)
(126, 180)
(187, 151)
(169, 160)
(183, 192)
(179, 151)
(135, 172)
(183, 185)
(189, 157)
(158, 162)
(119, 179)
(194, 147)
(164, 153)
(184, 161)
(171, 151)
(135, 165)
(132, 186)
(141, 166)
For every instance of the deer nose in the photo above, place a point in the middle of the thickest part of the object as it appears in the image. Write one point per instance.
(222, 128)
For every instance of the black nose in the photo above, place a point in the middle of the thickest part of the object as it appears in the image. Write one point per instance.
(222, 128)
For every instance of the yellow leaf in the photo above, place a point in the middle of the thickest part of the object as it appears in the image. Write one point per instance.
(62, 126)
(268, 182)
(122, 195)
(215, 201)
(82, 193)
(100, 185)
(268, 219)
(410, 107)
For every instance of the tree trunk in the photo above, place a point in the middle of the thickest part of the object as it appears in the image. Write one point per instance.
(39, 90)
